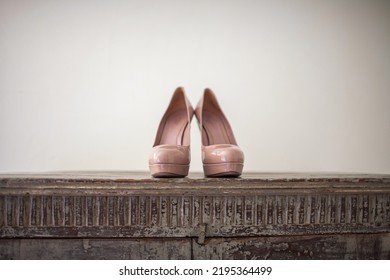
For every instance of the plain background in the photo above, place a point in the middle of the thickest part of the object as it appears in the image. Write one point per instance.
(304, 84)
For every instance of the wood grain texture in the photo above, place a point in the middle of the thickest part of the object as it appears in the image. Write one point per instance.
(119, 205)
(95, 249)
(316, 247)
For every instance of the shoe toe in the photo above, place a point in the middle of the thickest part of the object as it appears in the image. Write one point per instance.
(169, 154)
(222, 153)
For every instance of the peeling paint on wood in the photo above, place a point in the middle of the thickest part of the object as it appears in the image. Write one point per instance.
(178, 216)
(349, 246)
(95, 249)
(120, 205)
(317, 247)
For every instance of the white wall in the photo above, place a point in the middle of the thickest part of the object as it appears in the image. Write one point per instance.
(304, 84)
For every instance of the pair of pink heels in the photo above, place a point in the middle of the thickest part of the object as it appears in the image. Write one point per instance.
(170, 156)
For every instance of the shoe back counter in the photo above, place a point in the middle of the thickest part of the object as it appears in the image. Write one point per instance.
(122, 215)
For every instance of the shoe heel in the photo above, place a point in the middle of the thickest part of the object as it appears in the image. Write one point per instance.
(169, 170)
(223, 169)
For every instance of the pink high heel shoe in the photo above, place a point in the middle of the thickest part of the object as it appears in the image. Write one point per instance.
(170, 156)
(221, 155)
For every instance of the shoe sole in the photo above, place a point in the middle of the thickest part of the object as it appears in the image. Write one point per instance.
(223, 169)
(169, 170)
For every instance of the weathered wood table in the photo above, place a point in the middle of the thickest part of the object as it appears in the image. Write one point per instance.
(123, 215)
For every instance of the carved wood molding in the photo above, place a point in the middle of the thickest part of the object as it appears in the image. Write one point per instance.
(120, 207)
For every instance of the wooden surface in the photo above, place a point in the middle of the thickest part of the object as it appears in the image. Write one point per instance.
(207, 218)
(144, 176)
(332, 246)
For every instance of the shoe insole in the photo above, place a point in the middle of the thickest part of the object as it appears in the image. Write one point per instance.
(215, 131)
(175, 130)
